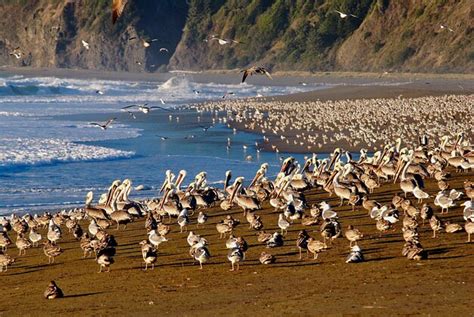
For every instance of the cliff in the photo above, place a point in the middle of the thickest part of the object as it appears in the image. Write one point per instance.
(378, 35)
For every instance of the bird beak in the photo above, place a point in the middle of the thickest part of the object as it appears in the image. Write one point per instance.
(401, 166)
(254, 180)
(165, 197)
(234, 192)
(179, 180)
(333, 160)
(164, 185)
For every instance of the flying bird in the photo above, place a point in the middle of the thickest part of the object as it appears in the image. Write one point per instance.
(85, 44)
(206, 128)
(144, 108)
(105, 125)
(444, 27)
(227, 94)
(343, 15)
(164, 49)
(255, 70)
(16, 52)
(117, 9)
(148, 43)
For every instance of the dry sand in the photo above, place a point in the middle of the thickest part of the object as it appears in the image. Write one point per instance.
(386, 283)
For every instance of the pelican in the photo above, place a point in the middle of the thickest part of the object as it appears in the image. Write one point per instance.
(103, 126)
(255, 70)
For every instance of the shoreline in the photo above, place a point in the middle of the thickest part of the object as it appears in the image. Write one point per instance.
(234, 76)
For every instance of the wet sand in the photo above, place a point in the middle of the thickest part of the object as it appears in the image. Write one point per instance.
(386, 283)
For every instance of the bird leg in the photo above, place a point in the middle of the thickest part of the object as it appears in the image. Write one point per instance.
(200, 265)
(300, 252)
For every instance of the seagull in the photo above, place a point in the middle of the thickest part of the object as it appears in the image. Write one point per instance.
(85, 44)
(164, 49)
(105, 125)
(132, 114)
(138, 63)
(221, 41)
(191, 136)
(163, 137)
(206, 128)
(144, 108)
(148, 43)
(444, 27)
(197, 92)
(224, 42)
(99, 92)
(16, 52)
(345, 15)
(117, 9)
(227, 94)
(255, 70)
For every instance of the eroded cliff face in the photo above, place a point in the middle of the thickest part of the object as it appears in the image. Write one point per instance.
(386, 35)
(50, 33)
(407, 36)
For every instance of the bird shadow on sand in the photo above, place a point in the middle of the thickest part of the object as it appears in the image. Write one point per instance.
(439, 251)
(82, 295)
(21, 273)
(379, 259)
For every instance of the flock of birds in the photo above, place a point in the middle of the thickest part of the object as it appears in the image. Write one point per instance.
(365, 124)
(353, 182)
(315, 124)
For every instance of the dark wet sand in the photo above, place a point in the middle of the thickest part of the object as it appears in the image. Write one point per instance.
(386, 284)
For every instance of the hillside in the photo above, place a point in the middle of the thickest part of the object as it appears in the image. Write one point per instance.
(382, 35)
(49, 33)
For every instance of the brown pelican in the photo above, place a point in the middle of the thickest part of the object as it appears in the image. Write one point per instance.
(246, 202)
(255, 70)
(117, 9)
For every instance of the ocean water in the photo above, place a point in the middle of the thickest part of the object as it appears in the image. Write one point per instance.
(50, 156)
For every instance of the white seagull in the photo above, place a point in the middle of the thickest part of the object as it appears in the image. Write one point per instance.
(343, 15)
(85, 44)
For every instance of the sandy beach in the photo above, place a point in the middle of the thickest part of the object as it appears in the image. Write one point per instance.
(386, 282)
(328, 286)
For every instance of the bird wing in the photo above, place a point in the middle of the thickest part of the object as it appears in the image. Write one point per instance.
(158, 107)
(95, 123)
(117, 9)
(246, 72)
(267, 73)
(130, 106)
(110, 121)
